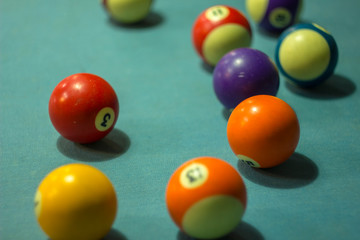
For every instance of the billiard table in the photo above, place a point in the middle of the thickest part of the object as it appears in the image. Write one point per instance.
(169, 114)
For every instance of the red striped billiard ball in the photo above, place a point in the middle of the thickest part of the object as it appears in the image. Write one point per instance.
(206, 197)
(83, 108)
(218, 30)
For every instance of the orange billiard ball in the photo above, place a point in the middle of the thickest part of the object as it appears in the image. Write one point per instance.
(75, 202)
(263, 131)
(206, 197)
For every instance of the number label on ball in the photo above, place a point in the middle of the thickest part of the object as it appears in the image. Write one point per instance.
(37, 203)
(217, 13)
(280, 17)
(194, 175)
(248, 161)
(104, 119)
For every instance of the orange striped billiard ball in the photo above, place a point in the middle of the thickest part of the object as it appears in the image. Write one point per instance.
(206, 197)
(75, 202)
(263, 131)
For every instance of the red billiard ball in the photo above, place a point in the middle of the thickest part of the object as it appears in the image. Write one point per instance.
(83, 108)
(218, 30)
(206, 197)
(263, 131)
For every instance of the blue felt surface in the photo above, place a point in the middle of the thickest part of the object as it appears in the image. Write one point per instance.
(169, 114)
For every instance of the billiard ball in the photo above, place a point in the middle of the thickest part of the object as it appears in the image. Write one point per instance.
(127, 11)
(218, 30)
(274, 16)
(83, 108)
(206, 197)
(263, 131)
(75, 202)
(237, 76)
(306, 54)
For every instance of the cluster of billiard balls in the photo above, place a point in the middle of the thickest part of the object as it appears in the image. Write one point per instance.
(205, 196)
(306, 54)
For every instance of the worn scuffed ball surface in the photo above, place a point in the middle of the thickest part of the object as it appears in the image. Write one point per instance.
(83, 108)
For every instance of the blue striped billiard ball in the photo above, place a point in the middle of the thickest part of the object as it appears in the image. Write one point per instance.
(306, 54)
(274, 16)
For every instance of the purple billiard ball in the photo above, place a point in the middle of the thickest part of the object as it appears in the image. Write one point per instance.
(274, 15)
(243, 73)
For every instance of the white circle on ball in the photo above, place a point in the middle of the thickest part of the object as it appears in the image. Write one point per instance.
(104, 119)
(194, 175)
(280, 17)
(37, 204)
(217, 13)
(249, 161)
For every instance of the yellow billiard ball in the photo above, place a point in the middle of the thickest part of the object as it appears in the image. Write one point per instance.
(75, 202)
(127, 11)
